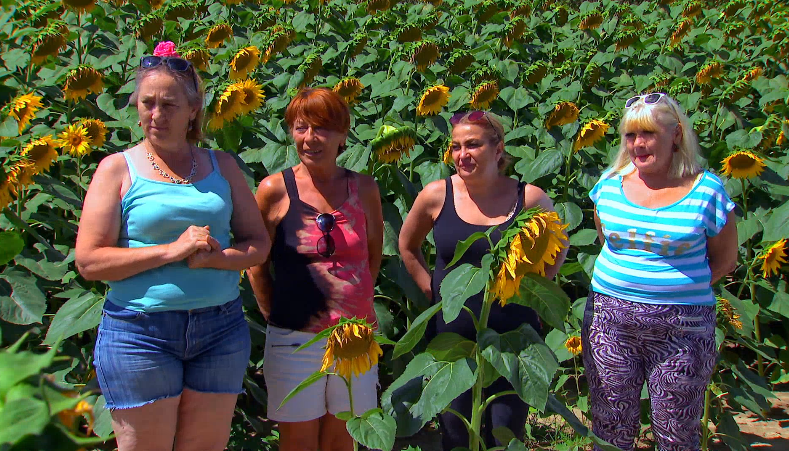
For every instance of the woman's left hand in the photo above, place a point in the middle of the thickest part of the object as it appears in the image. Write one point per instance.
(206, 259)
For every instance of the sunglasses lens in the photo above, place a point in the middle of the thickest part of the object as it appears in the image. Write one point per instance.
(631, 101)
(150, 61)
(475, 116)
(456, 118)
(653, 98)
(325, 222)
(178, 64)
(325, 246)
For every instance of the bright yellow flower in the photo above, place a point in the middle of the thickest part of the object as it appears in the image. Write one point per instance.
(573, 344)
(229, 105)
(218, 34)
(590, 133)
(41, 152)
(21, 175)
(392, 143)
(708, 72)
(728, 312)
(352, 350)
(253, 95)
(69, 417)
(82, 80)
(563, 113)
(772, 257)
(591, 21)
(6, 193)
(75, 140)
(244, 62)
(349, 89)
(743, 164)
(424, 55)
(80, 6)
(433, 99)
(484, 95)
(23, 109)
(447, 157)
(97, 131)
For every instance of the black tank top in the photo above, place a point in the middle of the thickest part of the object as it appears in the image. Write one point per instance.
(448, 229)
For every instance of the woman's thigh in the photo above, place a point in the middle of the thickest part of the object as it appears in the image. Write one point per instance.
(150, 427)
(204, 421)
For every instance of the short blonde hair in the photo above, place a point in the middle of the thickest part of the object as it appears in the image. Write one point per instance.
(649, 117)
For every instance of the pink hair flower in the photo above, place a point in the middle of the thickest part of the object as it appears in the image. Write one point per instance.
(165, 48)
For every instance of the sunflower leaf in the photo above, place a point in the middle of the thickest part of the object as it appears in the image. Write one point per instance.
(460, 284)
(415, 332)
(544, 296)
(375, 431)
(314, 377)
(463, 246)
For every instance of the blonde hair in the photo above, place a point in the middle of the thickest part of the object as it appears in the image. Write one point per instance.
(649, 117)
(494, 131)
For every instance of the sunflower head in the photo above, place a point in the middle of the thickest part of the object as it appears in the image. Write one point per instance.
(692, 9)
(460, 60)
(6, 191)
(732, 8)
(155, 4)
(179, 10)
(377, 5)
(484, 95)
(358, 43)
(311, 67)
(573, 344)
(97, 131)
(563, 113)
(535, 73)
(708, 72)
(743, 164)
(487, 9)
(592, 74)
(20, 175)
(590, 133)
(23, 108)
(252, 95)
(264, 20)
(218, 34)
(351, 349)
(753, 74)
(41, 152)
(625, 39)
(81, 81)
(149, 26)
(561, 15)
(430, 20)
(349, 88)
(198, 56)
(772, 257)
(409, 33)
(279, 39)
(590, 21)
(48, 42)
(727, 313)
(433, 99)
(75, 140)
(425, 53)
(680, 31)
(244, 62)
(392, 143)
(514, 30)
(79, 6)
(521, 9)
(227, 106)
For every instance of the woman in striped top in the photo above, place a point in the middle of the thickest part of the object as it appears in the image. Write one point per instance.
(668, 233)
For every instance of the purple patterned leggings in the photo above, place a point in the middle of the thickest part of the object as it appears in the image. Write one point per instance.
(672, 347)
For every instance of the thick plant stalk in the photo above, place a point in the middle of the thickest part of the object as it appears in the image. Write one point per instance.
(350, 398)
(705, 420)
(477, 406)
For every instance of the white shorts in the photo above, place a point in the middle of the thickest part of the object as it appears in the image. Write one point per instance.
(285, 369)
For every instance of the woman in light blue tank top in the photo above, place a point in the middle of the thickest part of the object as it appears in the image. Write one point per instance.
(169, 226)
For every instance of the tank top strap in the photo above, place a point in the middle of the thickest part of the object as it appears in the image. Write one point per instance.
(353, 187)
(290, 183)
(519, 200)
(449, 198)
(214, 161)
(132, 169)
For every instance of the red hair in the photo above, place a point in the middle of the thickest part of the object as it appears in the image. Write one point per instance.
(319, 107)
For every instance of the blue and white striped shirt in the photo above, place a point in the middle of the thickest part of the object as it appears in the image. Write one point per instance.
(658, 255)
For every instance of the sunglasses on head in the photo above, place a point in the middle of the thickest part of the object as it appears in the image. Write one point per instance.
(174, 63)
(325, 245)
(649, 99)
(474, 116)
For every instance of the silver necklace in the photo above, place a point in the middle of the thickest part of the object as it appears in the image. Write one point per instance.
(166, 175)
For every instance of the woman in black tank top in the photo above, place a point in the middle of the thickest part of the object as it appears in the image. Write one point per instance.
(477, 197)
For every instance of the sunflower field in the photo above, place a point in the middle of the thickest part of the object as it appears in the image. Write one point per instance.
(557, 73)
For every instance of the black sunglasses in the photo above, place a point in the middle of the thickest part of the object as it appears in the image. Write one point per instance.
(474, 116)
(326, 223)
(649, 99)
(174, 63)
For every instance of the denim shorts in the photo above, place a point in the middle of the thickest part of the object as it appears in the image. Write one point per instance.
(144, 357)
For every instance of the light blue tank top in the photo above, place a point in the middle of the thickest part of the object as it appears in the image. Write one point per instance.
(155, 212)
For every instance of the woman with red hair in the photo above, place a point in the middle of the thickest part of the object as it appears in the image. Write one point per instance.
(327, 229)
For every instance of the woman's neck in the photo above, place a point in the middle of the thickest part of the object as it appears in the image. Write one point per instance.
(323, 175)
(176, 150)
(657, 181)
(483, 187)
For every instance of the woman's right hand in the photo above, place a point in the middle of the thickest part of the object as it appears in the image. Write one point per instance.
(194, 239)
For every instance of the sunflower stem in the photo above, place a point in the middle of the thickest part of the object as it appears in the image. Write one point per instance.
(348, 384)
(705, 420)
(477, 406)
(79, 37)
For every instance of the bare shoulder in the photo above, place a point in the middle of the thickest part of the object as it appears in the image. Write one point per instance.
(272, 188)
(534, 196)
(226, 161)
(434, 192)
(113, 165)
(366, 182)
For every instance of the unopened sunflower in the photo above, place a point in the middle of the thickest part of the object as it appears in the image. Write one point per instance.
(97, 131)
(535, 73)
(484, 95)
(772, 257)
(591, 21)
(244, 62)
(573, 344)
(220, 33)
(433, 99)
(460, 60)
(743, 164)
(75, 140)
(149, 26)
(563, 113)
(49, 42)
(41, 152)
(253, 95)
(540, 239)
(728, 313)
(392, 143)
(199, 58)
(425, 54)
(349, 89)
(23, 108)
(590, 133)
(80, 6)
(81, 81)
(351, 349)
(708, 72)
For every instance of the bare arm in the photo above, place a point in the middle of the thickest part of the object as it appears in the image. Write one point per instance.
(599, 226)
(252, 241)
(533, 197)
(371, 199)
(722, 249)
(98, 256)
(417, 225)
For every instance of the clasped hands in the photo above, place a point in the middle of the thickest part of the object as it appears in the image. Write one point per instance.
(198, 247)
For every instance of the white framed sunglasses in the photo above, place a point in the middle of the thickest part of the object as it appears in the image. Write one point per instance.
(649, 99)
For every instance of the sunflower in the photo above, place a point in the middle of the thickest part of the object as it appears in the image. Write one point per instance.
(409, 33)
(357, 44)
(772, 257)
(21, 175)
(278, 41)
(734, 28)
(486, 10)
(447, 157)
(561, 14)
(23, 109)
(732, 8)
(97, 131)
(253, 95)
(351, 348)
(6, 193)
(573, 344)
(592, 74)
(392, 143)
(692, 9)
(460, 60)
(590, 133)
(82, 80)
(728, 313)
(433, 99)
(80, 6)
(199, 58)
(41, 152)
(229, 105)
(538, 242)
(155, 4)
(563, 113)
(48, 43)
(244, 62)
(311, 67)
(377, 5)
(69, 417)
(591, 21)
(149, 26)
(425, 54)
(75, 140)
(753, 74)
(484, 94)
(708, 72)
(743, 164)
(349, 89)
(522, 9)
(781, 140)
(535, 73)
(178, 10)
(219, 33)
(514, 31)
(625, 39)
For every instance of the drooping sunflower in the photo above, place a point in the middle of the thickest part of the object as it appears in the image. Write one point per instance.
(279, 39)
(409, 33)
(460, 60)
(97, 131)
(734, 28)
(253, 95)
(149, 26)
(155, 4)
(433, 99)
(357, 44)
(514, 30)
(244, 62)
(781, 141)
(753, 74)
(69, 417)
(23, 108)
(522, 9)
(563, 113)
(590, 133)
(484, 95)
(349, 88)
(377, 5)
(49, 42)
(727, 313)
(75, 140)
(229, 105)
(311, 67)
(732, 8)
(535, 73)
(177, 10)
(218, 34)
(41, 152)
(392, 143)
(425, 54)
(21, 175)
(743, 164)
(199, 58)
(561, 15)
(80, 6)
(82, 80)
(692, 9)
(625, 39)
(592, 74)
(6, 193)
(351, 348)
(573, 344)
(591, 21)
(486, 10)
(772, 257)
(708, 72)
(540, 239)
(447, 157)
